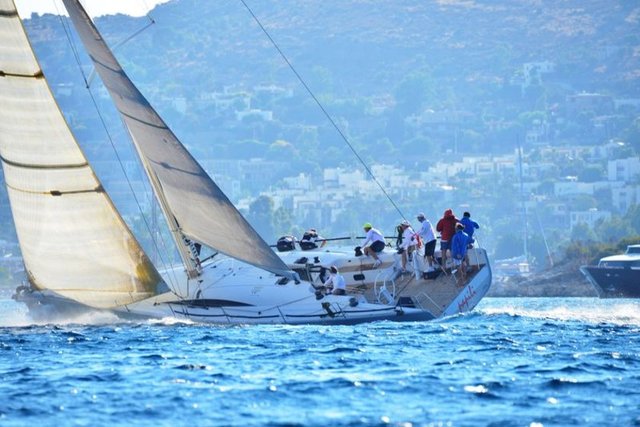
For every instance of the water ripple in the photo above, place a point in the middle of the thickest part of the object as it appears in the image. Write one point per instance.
(511, 362)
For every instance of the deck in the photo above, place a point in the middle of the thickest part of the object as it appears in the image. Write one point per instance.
(433, 295)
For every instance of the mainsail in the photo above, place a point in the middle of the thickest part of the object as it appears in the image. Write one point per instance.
(199, 207)
(73, 241)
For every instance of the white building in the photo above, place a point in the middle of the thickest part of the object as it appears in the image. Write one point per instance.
(254, 113)
(532, 73)
(590, 217)
(624, 169)
(572, 188)
(338, 177)
(605, 151)
(300, 182)
(622, 198)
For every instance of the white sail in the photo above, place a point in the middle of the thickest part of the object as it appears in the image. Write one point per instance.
(73, 241)
(200, 208)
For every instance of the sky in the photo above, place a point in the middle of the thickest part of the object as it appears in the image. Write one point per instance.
(93, 7)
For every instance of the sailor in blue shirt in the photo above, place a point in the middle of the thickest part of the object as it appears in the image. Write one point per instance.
(459, 246)
(469, 227)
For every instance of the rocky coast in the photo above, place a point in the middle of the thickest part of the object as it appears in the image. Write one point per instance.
(562, 280)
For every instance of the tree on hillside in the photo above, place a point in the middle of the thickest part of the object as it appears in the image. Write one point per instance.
(582, 202)
(261, 217)
(590, 253)
(530, 118)
(418, 147)
(505, 139)
(254, 147)
(471, 141)
(632, 134)
(283, 223)
(581, 232)
(282, 150)
(413, 92)
(591, 173)
(538, 251)
(546, 187)
(613, 230)
(633, 218)
(509, 245)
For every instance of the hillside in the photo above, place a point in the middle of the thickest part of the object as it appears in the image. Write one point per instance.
(375, 66)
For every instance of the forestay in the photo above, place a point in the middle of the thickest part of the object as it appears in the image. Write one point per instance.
(72, 239)
(200, 208)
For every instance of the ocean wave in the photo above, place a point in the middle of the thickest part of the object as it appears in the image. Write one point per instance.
(169, 321)
(586, 310)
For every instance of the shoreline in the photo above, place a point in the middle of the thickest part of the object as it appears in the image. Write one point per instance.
(562, 280)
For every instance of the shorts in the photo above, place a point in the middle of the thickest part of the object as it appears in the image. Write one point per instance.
(430, 248)
(444, 245)
(377, 246)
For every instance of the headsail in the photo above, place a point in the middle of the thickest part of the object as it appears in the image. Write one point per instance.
(73, 240)
(200, 208)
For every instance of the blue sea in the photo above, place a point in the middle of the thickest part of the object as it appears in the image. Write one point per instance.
(511, 362)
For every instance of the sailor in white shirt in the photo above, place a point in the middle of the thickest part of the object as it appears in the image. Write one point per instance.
(335, 283)
(428, 236)
(408, 244)
(375, 241)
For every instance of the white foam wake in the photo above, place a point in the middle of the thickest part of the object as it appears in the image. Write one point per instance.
(588, 310)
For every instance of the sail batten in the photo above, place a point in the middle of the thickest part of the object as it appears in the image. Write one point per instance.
(73, 241)
(38, 166)
(201, 209)
(37, 75)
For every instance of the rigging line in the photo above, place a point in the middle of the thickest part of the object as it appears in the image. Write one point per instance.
(67, 31)
(122, 42)
(324, 111)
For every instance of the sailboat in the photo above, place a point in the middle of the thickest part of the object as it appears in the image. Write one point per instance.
(79, 253)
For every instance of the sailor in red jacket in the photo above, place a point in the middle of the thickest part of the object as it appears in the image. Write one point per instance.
(447, 228)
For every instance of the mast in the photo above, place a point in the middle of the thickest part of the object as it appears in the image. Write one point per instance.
(544, 238)
(523, 204)
(192, 267)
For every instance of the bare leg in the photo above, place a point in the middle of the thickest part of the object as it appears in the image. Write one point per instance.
(369, 252)
(462, 268)
(443, 258)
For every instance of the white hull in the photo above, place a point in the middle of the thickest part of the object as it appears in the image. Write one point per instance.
(231, 292)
